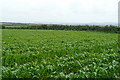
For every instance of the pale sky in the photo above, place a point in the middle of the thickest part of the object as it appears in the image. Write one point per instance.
(59, 11)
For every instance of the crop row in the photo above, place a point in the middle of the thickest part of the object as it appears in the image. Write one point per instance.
(59, 54)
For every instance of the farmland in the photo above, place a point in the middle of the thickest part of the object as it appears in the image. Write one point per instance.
(59, 54)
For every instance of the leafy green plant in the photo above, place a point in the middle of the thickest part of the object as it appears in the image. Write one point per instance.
(59, 54)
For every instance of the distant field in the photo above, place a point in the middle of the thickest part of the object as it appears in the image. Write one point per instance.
(59, 54)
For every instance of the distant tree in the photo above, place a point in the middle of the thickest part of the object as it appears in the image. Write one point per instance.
(2, 27)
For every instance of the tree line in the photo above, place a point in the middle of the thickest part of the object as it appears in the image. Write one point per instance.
(107, 28)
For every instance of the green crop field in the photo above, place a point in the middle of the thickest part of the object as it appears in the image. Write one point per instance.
(59, 54)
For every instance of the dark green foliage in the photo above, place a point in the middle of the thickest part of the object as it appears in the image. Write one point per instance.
(113, 29)
(2, 27)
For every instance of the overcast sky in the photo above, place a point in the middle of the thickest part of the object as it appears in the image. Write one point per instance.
(59, 11)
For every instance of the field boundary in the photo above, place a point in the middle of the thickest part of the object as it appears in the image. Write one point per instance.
(107, 28)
